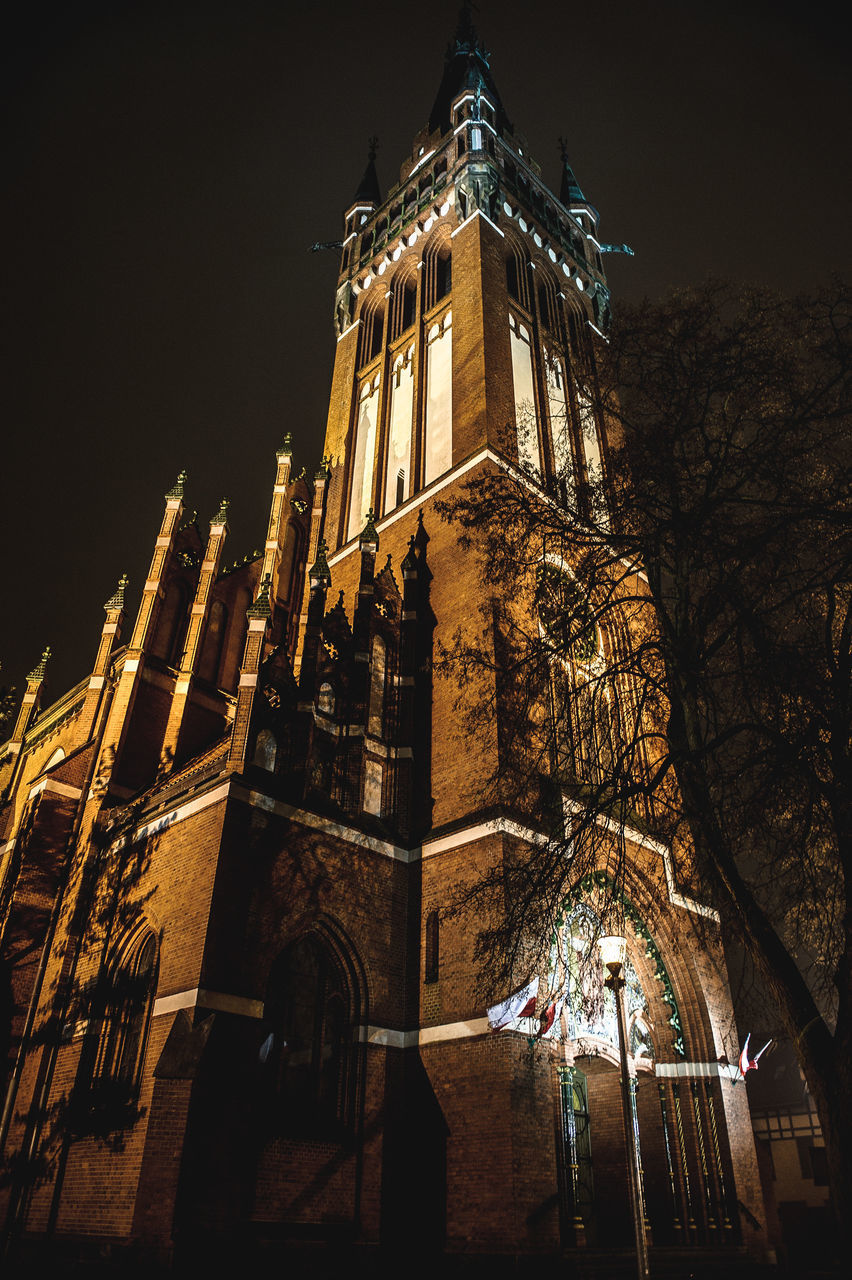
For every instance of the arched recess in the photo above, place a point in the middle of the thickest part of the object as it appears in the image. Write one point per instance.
(437, 269)
(311, 1055)
(371, 336)
(518, 272)
(214, 641)
(117, 1017)
(647, 976)
(403, 305)
(172, 623)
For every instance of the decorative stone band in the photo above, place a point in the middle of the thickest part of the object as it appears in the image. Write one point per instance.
(429, 848)
(58, 788)
(384, 1037)
(695, 1070)
(217, 1000)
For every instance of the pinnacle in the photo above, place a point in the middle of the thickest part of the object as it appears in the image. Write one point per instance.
(570, 191)
(369, 191)
(177, 488)
(319, 570)
(221, 516)
(116, 600)
(261, 607)
(39, 669)
(369, 534)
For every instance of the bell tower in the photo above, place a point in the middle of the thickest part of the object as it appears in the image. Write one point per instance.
(468, 304)
(459, 296)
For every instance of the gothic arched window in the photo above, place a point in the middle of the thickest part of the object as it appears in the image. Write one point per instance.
(308, 1055)
(582, 707)
(111, 1064)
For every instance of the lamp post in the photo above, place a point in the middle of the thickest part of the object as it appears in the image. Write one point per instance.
(612, 949)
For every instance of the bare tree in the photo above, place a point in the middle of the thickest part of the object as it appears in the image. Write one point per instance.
(667, 643)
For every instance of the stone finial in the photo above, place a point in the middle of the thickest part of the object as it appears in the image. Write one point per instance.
(319, 570)
(116, 600)
(221, 516)
(177, 488)
(369, 534)
(323, 471)
(286, 450)
(39, 669)
(261, 607)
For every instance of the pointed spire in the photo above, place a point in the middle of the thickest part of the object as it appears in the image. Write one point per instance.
(177, 488)
(466, 66)
(570, 191)
(39, 669)
(116, 600)
(286, 450)
(319, 570)
(369, 191)
(261, 607)
(221, 516)
(369, 534)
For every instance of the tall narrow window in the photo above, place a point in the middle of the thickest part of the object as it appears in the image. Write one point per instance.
(266, 750)
(560, 425)
(364, 457)
(399, 435)
(582, 698)
(110, 1072)
(432, 957)
(378, 675)
(592, 450)
(307, 1056)
(522, 375)
(439, 399)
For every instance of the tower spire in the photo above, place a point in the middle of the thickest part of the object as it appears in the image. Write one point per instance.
(466, 66)
(369, 191)
(570, 191)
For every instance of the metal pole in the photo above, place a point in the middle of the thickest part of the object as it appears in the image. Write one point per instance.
(634, 1183)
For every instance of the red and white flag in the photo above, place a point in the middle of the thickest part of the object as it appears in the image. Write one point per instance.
(546, 1020)
(746, 1063)
(520, 1005)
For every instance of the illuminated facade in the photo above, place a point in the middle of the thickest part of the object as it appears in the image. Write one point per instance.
(240, 1011)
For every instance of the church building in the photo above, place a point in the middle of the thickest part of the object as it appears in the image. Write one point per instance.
(237, 1011)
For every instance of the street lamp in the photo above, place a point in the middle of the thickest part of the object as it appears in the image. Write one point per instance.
(612, 949)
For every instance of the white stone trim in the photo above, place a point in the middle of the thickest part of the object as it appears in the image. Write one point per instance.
(58, 788)
(318, 823)
(386, 1037)
(679, 899)
(479, 831)
(698, 1070)
(217, 1000)
(656, 846)
(183, 811)
(453, 1031)
(477, 213)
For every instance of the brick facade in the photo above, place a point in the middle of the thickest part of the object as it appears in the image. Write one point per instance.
(268, 780)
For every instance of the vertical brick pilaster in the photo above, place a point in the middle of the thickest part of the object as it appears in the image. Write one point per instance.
(195, 632)
(110, 637)
(317, 518)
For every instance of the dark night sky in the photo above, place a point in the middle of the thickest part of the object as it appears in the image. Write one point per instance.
(166, 167)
